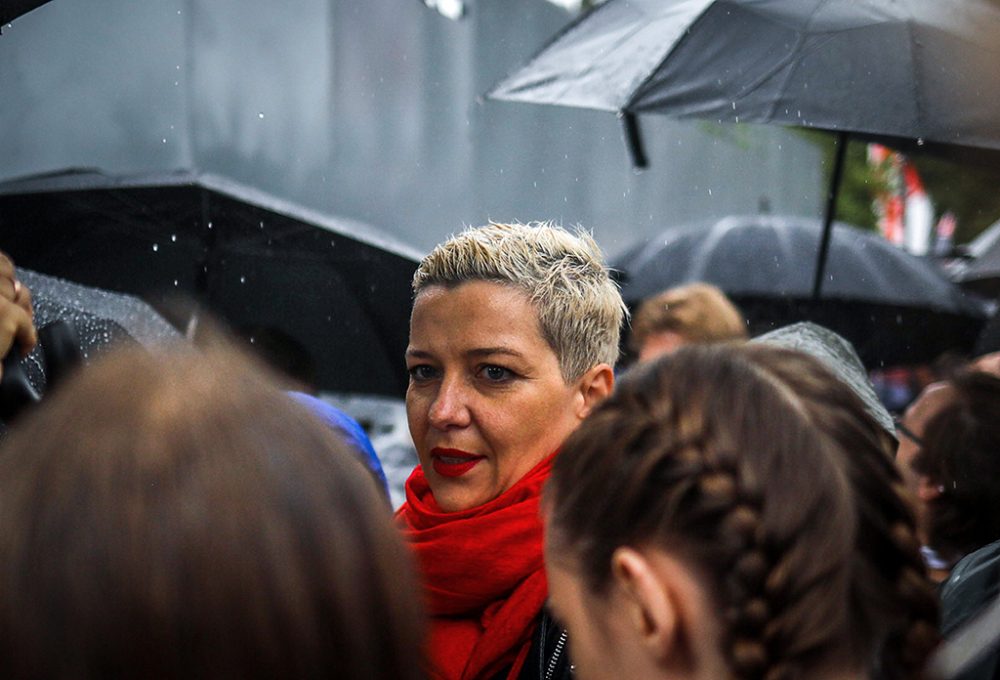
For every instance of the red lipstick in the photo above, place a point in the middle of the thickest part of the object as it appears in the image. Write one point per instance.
(452, 462)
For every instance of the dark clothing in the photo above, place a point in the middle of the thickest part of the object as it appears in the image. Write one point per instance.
(548, 658)
(549, 655)
(972, 585)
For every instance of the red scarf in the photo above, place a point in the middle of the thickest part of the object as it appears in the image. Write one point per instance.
(483, 575)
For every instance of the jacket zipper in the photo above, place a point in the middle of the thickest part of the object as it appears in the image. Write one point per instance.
(556, 653)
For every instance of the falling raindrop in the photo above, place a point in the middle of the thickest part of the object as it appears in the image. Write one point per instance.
(734, 106)
(209, 225)
(262, 224)
(260, 115)
(243, 279)
(920, 141)
(709, 192)
(173, 238)
(176, 282)
(156, 247)
(164, 140)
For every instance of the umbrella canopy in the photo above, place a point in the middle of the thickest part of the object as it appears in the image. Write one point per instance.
(338, 287)
(102, 319)
(12, 9)
(894, 307)
(75, 323)
(908, 73)
(897, 71)
(839, 356)
(980, 269)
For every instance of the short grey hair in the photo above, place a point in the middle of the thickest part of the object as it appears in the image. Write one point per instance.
(580, 309)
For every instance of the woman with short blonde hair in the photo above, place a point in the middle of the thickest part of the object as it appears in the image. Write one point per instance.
(513, 338)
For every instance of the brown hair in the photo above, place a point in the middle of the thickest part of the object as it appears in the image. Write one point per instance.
(177, 516)
(960, 454)
(714, 454)
(700, 312)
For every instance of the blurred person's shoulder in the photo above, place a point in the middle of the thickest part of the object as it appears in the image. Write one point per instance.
(973, 583)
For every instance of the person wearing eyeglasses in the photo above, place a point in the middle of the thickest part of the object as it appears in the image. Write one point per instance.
(910, 432)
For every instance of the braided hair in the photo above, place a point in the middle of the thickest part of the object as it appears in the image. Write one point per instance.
(712, 455)
(892, 599)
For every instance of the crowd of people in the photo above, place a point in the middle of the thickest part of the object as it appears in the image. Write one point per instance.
(724, 509)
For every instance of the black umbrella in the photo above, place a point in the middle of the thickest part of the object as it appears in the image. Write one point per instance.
(101, 319)
(979, 268)
(76, 323)
(895, 308)
(336, 286)
(12, 9)
(908, 73)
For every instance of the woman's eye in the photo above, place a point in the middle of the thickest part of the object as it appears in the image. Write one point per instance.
(421, 372)
(496, 373)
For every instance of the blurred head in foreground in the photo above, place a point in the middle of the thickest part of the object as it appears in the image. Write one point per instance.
(691, 314)
(733, 512)
(178, 516)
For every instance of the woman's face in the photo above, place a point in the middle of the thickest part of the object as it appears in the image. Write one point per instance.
(486, 400)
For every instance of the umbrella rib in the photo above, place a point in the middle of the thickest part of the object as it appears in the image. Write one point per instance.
(639, 90)
(915, 81)
(800, 39)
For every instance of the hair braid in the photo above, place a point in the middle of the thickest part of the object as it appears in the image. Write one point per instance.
(892, 583)
(716, 460)
(893, 600)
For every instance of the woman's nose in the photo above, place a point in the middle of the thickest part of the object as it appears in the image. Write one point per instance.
(450, 406)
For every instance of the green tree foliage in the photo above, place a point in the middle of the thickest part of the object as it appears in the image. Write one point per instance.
(969, 188)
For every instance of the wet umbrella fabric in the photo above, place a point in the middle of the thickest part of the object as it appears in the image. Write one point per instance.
(338, 287)
(894, 307)
(75, 323)
(910, 73)
(102, 320)
(838, 355)
(12, 9)
(909, 70)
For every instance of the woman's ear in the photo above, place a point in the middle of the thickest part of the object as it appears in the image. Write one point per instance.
(651, 609)
(595, 386)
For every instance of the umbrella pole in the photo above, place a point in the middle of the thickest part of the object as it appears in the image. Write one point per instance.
(633, 140)
(831, 209)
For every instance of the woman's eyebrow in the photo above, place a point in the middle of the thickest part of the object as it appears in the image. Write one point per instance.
(490, 351)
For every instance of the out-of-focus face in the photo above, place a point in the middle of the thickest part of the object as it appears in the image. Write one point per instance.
(658, 625)
(658, 344)
(594, 647)
(486, 400)
(910, 432)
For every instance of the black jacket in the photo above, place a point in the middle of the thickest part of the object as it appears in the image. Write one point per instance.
(973, 584)
(549, 655)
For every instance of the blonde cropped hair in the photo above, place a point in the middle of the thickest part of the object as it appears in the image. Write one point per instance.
(700, 312)
(580, 310)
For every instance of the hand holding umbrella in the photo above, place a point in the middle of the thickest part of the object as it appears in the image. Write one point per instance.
(17, 325)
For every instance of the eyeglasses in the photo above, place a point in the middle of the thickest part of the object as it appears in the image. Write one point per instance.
(907, 432)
